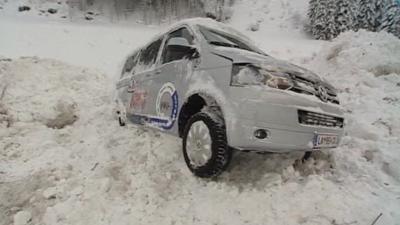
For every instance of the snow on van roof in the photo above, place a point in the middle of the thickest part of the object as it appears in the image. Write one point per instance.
(193, 23)
(210, 23)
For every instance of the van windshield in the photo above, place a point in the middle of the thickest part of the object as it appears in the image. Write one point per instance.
(215, 37)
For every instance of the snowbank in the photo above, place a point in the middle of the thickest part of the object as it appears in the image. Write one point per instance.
(97, 47)
(365, 67)
(38, 9)
(51, 90)
(88, 170)
(362, 48)
(280, 27)
(275, 16)
(94, 172)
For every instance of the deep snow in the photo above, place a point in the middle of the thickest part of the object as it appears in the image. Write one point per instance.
(95, 172)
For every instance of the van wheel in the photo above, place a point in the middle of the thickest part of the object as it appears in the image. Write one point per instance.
(121, 121)
(205, 146)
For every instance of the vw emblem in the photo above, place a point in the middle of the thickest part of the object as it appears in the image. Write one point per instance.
(322, 93)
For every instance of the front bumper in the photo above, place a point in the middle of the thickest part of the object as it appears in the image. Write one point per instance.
(277, 112)
(279, 139)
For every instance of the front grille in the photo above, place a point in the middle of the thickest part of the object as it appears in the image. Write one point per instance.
(318, 119)
(304, 86)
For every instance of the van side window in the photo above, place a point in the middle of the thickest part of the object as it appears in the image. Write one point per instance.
(130, 63)
(168, 56)
(148, 56)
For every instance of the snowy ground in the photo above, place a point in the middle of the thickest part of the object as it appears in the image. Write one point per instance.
(91, 171)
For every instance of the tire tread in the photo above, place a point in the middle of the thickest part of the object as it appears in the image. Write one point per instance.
(221, 152)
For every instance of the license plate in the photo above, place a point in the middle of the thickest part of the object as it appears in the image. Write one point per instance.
(325, 141)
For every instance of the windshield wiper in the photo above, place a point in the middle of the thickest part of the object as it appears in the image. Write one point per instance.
(220, 43)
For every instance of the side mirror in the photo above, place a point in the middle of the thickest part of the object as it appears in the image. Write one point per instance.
(182, 46)
(178, 41)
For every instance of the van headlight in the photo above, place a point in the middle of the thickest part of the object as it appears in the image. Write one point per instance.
(249, 74)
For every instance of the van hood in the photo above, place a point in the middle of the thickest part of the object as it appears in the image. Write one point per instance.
(267, 62)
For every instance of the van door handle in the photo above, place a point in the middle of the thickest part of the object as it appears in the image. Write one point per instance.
(131, 87)
(157, 71)
(131, 90)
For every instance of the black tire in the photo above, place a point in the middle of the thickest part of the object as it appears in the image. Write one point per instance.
(121, 122)
(221, 152)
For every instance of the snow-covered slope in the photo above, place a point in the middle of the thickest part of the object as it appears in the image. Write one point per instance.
(365, 67)
(101, 47)
(37, 9)
(91, 171)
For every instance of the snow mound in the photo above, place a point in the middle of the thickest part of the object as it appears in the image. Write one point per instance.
(53, 94)
(272, 16)
(40, 9)
(362, 48)
(365, 67)
(95, 172)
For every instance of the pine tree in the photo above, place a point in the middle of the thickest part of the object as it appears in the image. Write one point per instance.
(366, 16)
(391, 19)
(395, 28)
(382, 6)
(345, 16)
(318, 19)
(355, 11)
(372, 13)
(331, 30)
(312, 6)
(328, 18)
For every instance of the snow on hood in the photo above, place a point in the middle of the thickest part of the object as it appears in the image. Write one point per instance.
(266, 61)
(210, 23)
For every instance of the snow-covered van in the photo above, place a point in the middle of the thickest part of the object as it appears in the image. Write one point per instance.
(209, 85)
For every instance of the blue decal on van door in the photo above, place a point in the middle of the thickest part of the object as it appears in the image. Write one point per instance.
(166, 109)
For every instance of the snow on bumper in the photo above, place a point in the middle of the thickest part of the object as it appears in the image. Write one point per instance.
(278, 114)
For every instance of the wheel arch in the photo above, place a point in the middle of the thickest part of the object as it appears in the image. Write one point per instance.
(194, 104)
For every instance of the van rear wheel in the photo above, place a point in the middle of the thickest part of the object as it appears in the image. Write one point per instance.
(121, 121)
(205, 146)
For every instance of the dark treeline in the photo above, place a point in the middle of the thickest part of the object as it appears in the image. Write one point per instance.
(158, 11)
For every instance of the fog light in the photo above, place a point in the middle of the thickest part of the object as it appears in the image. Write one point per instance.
(261, 134)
